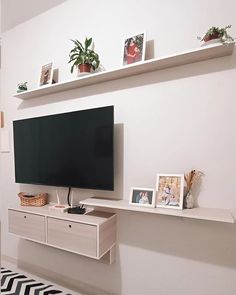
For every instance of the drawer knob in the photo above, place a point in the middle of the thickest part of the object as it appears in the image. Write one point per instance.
(24, 216)
(69, 225)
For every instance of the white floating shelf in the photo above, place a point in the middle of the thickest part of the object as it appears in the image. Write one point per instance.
(221, 215)
(187, 57)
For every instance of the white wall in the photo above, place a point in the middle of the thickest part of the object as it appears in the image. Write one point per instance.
(16, 12)
(168, 121)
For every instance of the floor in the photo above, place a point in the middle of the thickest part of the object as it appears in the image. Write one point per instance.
(17, 282)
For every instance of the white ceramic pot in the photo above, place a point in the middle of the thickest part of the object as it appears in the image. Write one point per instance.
(189, 201)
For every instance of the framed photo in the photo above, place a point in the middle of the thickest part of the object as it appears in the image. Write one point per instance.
(142, 197)
(46, 74)
(170, 191)
(134, 49)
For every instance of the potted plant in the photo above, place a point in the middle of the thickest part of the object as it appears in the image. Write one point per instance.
(22, 87)
(217, 34)
(83, 57)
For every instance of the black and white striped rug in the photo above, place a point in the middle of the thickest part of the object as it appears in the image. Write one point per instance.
(14, 283)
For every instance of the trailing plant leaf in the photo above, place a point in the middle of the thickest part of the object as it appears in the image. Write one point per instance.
(88, 43)
(78, 44)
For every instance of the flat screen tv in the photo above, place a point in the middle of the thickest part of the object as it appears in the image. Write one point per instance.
(70, 149)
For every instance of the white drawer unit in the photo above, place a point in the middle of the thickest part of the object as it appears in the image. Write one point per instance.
(92, 235)
(74, 236)
(27, 225)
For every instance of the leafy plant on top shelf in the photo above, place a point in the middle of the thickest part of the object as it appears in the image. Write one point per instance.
(217, 33)
(83, 55)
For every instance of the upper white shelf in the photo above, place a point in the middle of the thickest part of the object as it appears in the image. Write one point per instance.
(187, 57)
(221, 215)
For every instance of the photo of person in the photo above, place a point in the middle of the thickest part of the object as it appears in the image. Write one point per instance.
(170, 191)
(142, 197)
(134, 49)
(46, 74)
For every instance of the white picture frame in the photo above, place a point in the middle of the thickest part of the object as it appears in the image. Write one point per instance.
(142, 197)
(46, 74)
(134, 53)
(170, 191)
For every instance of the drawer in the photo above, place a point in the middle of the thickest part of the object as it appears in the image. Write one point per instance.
(27, 225)
(73, 236)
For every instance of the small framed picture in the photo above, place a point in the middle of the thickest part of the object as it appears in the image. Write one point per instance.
(142, 197)
(170, 190)
(46, 74)
(134, 49)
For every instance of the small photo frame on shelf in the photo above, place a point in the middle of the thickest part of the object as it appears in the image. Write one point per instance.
(134, 49)
(142, 197)
(46, 74)
(170, 190)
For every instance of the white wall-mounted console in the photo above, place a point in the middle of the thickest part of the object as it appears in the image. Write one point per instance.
(187, 57)
(211, 214)
(92, 235)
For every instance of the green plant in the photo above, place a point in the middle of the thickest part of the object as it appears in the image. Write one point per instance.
(217, 33)
(22, 86)
(82, 54)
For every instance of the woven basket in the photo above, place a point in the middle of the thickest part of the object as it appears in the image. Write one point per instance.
(29, 200)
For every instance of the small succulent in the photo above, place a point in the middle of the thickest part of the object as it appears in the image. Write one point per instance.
(22, 86)
(217, 33)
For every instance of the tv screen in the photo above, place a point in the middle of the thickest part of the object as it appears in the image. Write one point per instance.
(71, 149)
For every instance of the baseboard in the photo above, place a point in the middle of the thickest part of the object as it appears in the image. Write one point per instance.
(8, 259)
(54, 277)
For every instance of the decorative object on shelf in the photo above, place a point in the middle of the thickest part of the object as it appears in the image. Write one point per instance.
(33, 200)
(46, 74)
(134, 49)
(188, 201)
(1, 119)
(22, 87)
(191, 179)
(215, 35)
(84, 57)
(59, 207)
(142, 197)
(55, 76)
(170, 190)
